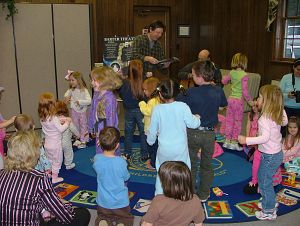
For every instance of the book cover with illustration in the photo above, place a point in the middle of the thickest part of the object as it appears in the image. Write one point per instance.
(290, 183)
(288, 197)
(248, 208)
(64, 189)
(142, 205)
(85, 197)
(217, 210)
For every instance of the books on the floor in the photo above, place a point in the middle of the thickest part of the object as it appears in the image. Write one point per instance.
(64, 189)
(85, 197)
(287, 197)
(217, 210)
(288, 183)
(248, 208)
(142, 205)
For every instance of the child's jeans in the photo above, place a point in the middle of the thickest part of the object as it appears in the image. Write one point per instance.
(134, 117)
(268, 167)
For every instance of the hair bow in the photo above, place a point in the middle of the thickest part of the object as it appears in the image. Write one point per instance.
(67, 77)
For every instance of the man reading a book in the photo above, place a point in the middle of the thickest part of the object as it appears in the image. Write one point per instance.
(148, 48)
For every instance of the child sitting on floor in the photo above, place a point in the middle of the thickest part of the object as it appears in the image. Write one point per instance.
(291, 146)
(111, 170)
(178, 205)
(25, 123)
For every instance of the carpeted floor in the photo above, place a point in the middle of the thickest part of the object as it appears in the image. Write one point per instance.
(232, 173)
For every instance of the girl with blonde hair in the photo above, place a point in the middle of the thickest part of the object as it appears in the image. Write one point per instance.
(79, 99)
(28, 191)
(25, 123)
(103, 110)
(273, 116)
(239, 91)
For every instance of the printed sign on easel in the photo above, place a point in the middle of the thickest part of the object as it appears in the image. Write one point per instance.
(117, 53)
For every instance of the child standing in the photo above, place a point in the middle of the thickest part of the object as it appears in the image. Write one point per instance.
(251, 131)
(131, 93)
(103, 111)
(178, 205)
(273, 116)
(79, 98)
(291, 143)
(169, 121)
(205, 100)
(239, 92)
(3, 124)
(53, 128)
(26, 123)
(149, 87)
(112, 173)
(63, 112)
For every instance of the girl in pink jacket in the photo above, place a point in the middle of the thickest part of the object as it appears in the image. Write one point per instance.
(52, 127)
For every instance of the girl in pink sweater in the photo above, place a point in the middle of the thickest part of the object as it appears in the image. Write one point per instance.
(273, 116)
(251, 131)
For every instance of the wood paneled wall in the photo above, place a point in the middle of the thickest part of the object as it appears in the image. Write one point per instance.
(223, 27)
(228, 27)
(115, 17)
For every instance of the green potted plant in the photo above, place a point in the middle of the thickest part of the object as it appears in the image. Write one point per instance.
(10, 4)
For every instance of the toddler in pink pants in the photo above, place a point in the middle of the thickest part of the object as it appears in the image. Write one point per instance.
(52, 127)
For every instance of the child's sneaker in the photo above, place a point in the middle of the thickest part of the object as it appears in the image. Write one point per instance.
(71, 166)
(57, 179)
(81, 146)
(265, 216)
(76, 143)
(103, 223)
(205, 199)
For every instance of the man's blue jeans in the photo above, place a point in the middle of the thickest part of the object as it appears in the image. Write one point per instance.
(134, 117)
(268, 166)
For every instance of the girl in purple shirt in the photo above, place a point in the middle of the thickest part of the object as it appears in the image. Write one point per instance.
(103, 111)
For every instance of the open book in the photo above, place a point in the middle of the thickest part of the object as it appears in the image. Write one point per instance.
(171, 60)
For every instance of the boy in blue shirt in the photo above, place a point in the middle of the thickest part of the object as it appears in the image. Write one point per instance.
(112, 193)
